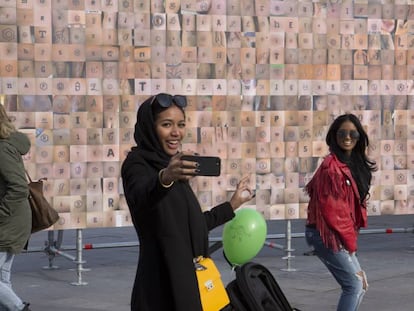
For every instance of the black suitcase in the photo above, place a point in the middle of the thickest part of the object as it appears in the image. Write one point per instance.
(256, 289)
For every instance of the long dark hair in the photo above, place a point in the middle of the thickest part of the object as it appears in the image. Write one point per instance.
(361, 167)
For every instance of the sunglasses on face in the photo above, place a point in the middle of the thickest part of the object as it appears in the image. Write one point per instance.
(342, 134)
(166, 100)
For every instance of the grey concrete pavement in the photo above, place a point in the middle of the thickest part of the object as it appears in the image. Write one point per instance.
(387, 258)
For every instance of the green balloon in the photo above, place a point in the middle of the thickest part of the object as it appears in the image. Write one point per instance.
(244, 236)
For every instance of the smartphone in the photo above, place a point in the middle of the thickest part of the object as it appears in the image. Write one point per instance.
(208, 166)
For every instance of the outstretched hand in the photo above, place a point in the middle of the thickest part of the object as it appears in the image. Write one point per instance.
(179, 169)
(242, 194)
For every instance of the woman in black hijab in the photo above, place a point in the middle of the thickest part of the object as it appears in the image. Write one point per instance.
(171, 227)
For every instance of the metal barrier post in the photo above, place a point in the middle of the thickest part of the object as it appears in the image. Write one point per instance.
(79, 262)
(288, 248)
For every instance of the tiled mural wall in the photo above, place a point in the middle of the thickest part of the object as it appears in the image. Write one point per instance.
(264, 80)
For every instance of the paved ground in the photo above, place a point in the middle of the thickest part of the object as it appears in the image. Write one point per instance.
(109, 271)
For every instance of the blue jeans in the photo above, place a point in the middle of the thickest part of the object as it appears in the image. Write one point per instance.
(9, 301)
(344, 268)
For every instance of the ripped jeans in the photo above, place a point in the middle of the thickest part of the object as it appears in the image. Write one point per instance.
(344, 268)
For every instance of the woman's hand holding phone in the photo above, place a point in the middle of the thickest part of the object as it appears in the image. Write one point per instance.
(206, 165)
(185, 165)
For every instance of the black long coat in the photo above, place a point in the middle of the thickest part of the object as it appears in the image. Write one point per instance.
(172, 230)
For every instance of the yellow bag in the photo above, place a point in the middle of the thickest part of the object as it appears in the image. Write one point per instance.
(212, 291)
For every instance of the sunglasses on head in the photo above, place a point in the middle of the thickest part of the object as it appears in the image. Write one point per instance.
(166, 100)
(344, 134)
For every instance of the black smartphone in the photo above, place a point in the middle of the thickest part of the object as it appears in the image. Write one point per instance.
(208, 166)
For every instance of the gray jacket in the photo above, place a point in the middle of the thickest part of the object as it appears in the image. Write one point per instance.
(15, 212)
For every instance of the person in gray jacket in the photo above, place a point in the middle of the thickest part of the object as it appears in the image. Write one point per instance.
(15, 212)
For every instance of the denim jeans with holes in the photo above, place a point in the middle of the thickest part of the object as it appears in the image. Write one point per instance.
(344, 268)
(9, 301)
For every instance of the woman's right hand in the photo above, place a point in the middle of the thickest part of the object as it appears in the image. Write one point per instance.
(179, 169)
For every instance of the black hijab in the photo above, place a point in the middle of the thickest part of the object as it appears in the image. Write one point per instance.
(149, 148)
(148, 145)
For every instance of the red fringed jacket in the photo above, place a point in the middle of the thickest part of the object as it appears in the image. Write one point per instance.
(335, 207)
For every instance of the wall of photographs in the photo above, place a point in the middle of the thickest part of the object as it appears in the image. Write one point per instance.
(264, 80)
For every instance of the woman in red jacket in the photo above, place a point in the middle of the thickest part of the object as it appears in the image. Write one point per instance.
(337, 208)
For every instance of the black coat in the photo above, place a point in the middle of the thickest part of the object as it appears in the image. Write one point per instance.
(165, 278)
(171, 227)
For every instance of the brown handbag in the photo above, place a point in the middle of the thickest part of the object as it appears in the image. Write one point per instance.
(43, 214)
